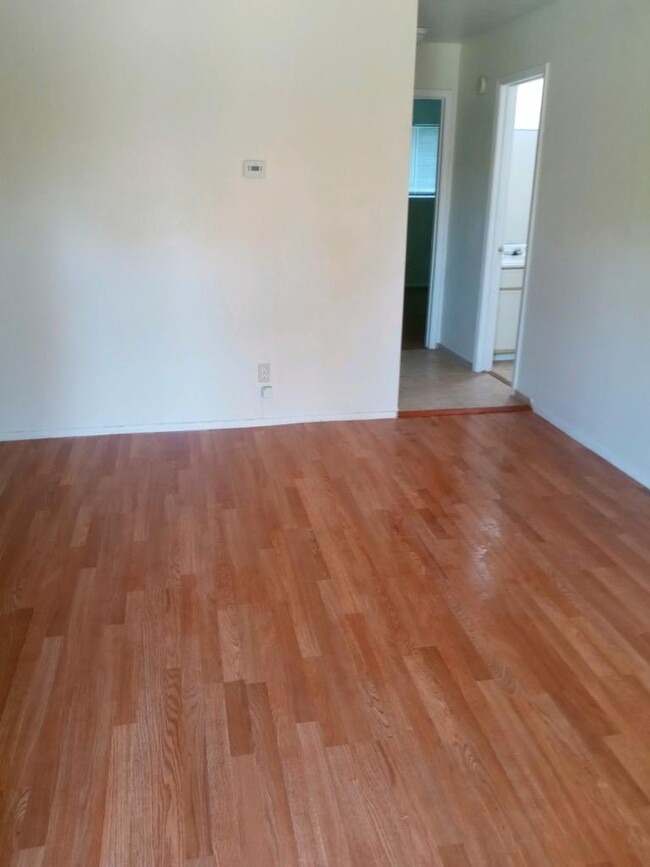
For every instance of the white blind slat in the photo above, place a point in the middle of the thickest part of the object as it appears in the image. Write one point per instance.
(424, 160)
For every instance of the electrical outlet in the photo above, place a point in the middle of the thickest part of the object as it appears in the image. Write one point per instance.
(264, 373)
(266, 400)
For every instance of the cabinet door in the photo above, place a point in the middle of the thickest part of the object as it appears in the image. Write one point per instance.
(512, 278)
(508, 320)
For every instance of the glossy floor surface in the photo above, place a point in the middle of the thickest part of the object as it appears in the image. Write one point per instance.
(421, 642)
(437, 379)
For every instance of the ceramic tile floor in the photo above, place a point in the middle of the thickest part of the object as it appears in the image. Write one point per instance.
(436, 379)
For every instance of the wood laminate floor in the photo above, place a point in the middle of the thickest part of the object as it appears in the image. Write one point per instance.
(421, 642)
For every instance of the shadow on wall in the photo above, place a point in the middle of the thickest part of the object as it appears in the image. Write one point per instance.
(419, 243)
(419, 248)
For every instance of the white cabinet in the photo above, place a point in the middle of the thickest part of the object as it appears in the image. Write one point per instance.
(512, 278)
(512, 281)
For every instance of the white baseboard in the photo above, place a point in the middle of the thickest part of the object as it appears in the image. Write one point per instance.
(634, 472)
(170, 427)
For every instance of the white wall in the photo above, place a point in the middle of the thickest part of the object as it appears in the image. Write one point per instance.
(585, 348)
(142, 277)
(437, 66)
(521, 177)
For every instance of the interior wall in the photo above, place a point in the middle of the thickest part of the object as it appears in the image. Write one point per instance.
(584, 350)
(419, 240)
(437, 66)
(520, 186)
(143, 276)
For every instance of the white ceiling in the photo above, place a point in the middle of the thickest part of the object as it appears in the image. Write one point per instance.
(450, 20)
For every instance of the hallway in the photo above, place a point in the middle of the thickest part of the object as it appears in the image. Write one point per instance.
(439, 380)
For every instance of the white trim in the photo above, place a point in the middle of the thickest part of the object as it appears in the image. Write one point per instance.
(443, 209)
(176, 426)
(491, 268)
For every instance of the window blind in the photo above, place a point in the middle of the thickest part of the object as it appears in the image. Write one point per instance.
(424, 160)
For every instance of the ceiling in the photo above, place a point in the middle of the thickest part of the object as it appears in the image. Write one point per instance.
(451, 20)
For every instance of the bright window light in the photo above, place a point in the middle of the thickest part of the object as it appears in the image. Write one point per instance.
(529, 104)
(424, 160)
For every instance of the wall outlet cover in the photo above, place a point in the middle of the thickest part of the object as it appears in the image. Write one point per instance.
(264, 372)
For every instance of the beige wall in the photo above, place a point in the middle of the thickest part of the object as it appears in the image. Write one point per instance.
(143, 278)
(437, 66)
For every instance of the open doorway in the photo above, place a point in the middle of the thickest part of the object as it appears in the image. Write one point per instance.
(420, 249)
(432, 151)
(432, 379)
(510, 235)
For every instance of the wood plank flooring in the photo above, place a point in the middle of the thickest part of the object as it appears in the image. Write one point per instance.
(419, 642)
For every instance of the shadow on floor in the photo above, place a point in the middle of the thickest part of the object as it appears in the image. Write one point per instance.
(414, 323)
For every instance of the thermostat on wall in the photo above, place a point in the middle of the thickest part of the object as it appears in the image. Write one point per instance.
(254, 169)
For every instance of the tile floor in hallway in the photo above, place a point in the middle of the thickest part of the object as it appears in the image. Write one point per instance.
(505, 370)
(437, 379)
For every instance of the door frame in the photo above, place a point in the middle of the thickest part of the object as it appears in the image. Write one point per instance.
(491, 267)
(438, 264)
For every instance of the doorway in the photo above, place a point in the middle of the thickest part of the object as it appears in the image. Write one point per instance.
(423, 190)
(432, 379)
(511, 223)
(432, 148)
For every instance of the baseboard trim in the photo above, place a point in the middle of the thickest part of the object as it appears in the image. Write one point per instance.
(476, 410)
(177, 427)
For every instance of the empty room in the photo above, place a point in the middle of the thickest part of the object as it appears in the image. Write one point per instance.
(325, 433)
